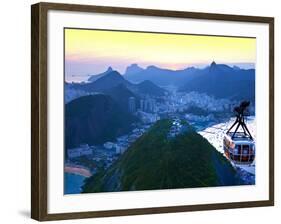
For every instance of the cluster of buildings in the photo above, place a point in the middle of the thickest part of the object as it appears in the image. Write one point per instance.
(117, 148)
(147, 110)
(148, 104)
(198, 118)
(82, 150)
(176, 128)
(132, 104)
(98, 155)
(203, 101)
(123, 142)
(150, 109)
(104, 155)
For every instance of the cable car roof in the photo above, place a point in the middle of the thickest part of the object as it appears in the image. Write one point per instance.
(240, 139)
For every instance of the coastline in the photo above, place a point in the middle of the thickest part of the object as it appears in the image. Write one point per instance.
(77, 170)
(214, 134)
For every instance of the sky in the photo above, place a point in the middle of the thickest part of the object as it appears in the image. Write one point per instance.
(89, 52)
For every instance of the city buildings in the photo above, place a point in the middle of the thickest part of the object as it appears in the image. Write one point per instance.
(148, 105)
(132, 104)
(82, 150)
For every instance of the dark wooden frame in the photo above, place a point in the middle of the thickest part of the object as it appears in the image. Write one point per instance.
(39, 110)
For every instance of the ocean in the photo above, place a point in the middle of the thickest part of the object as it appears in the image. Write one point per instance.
(73, 183)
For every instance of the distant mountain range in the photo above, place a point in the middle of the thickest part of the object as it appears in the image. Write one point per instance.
(155, 162)
(219, 80)
(95, 119)
(159, 76)
(114, 85)
(98, 111)
(223, 81)
(111, 79)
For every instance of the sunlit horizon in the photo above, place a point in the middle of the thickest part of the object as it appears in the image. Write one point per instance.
(90, 52)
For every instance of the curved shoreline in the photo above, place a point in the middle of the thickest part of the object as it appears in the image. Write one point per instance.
(77, 170)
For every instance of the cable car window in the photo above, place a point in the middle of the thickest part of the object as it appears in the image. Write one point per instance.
(237, 149)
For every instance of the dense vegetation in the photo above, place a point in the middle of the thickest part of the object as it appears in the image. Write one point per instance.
(157, 162)
(95, 119)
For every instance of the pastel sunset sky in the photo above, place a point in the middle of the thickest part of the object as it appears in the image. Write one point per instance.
(89, 52)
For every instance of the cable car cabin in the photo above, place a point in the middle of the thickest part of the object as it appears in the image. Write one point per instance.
(239, 149)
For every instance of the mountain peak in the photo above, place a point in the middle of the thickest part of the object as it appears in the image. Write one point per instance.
(151, 67)
(109, 69)
(134, 65)
(106, 81)
(133, 69)
(95, 77)
(213, 64)
(113, 73)
(235, 67)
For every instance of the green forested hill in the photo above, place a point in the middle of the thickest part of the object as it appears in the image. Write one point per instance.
(157, 162)
(95, 119)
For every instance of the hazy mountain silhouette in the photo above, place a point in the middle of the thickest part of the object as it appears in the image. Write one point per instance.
(95, 77)
(223, 81)
(107, 81)
(148, 87)
(159, 76)
(133, 69)
(219, 80)
(112, 79)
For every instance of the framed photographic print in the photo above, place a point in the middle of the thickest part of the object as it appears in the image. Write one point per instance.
(140, 111)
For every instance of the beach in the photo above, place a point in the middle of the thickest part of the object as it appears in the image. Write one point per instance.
(78, 170)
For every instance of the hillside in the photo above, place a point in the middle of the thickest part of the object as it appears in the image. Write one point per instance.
(111, 79)
(121, 95)
(157, 162)
(218, 80)
(149, 88)
(107, 81)
(159, 76)
(223, 81)
(95, 119)
(94, 77)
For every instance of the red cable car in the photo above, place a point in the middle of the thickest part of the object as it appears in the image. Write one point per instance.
(239, 147)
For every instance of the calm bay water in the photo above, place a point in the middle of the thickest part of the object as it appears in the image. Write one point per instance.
(73, 183)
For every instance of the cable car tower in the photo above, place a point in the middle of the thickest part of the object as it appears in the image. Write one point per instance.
(239, 146)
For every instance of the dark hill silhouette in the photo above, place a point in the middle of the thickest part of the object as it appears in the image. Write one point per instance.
(121, 95)
(160, 76)
(156, 162)
(223, 81)
(149, 88)
(94, 77)
(95, 119)
(105, 82)
(114, 79)
(133, 69)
